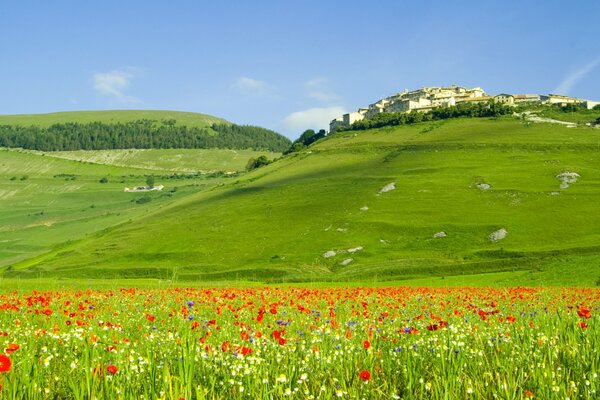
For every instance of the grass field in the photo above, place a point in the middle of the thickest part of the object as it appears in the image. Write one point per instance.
(581, 116)
(110, 116)
(277, 223)
(168, 160)
(47, 201)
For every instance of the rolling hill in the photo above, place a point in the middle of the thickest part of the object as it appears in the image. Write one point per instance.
(52, 197)
(47, 199)
(110, 116)
(133, 129)
(322, 214)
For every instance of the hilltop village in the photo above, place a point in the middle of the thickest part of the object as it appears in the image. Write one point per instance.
(428, 98)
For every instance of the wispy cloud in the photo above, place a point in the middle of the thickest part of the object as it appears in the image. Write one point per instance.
(253, 86)
(113, 84)
(312, 118)
(318, 89)
(571, 80)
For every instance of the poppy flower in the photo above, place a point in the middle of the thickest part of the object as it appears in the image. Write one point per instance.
(366, 344)
(584, 313)
(225, 346)
(112, 369)
(246, 351)
(12, 348)
(5, 363)
(365, 376)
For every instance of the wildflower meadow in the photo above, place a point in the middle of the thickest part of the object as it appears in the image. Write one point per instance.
(272, 343)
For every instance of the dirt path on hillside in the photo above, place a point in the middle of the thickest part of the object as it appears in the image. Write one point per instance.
(530, 116)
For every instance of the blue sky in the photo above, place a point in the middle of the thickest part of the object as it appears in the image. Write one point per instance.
(286, 65)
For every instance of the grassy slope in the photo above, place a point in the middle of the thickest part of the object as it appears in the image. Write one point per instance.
(45, 201)
(109, 116)
(581, 116)
(175, 160)
(276, 223)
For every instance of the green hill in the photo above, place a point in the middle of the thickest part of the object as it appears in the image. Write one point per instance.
(109, 130)
(321, 215)
(50, 198)
(109, 117)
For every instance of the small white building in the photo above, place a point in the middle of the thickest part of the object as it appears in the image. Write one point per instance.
(504, 98)
(562, 100)
(352, 117)
(144, 188)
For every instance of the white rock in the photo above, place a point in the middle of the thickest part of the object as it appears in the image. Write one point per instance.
(554, 193)
(498, 235)
(354, 249)
(483, 186)
(343, 230)
(329, 253)
(364, 208)
(441, 234)
(389, 187)
(566, 178)
(346, 261)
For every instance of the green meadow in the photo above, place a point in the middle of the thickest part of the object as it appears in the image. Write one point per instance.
(318, 215)
(110, 116)
(171, 160)
(47, 199)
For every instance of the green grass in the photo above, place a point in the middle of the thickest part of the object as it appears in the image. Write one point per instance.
(109, 116)
(47, 201)
(275, 224)
(168, 160)
(581, 116)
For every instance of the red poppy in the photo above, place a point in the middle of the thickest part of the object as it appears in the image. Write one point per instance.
(225, 346)
(365, 376)
(246, 351)
(510, 319)
(583, 324)
(12, 348)
(5, 363)
(112, 369)
(528, 393)
(366, 344)
(584, 313)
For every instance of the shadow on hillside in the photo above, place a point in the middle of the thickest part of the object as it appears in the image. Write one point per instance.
(253, 186)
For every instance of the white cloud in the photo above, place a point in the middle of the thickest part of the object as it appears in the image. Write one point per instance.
(312, 118)
(318, 89)
(571, 80)
(251, 85)
(113, 84)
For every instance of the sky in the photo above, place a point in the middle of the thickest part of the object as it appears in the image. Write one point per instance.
(286, 65)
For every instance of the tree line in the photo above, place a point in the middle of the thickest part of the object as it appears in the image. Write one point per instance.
(140, 134)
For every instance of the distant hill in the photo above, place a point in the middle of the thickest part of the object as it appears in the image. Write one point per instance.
(132, 129)
(502, 199)
(110, 117)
